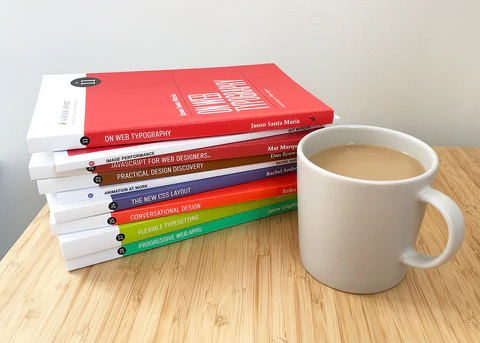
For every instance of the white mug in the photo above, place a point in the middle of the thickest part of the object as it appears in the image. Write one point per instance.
(357, 236)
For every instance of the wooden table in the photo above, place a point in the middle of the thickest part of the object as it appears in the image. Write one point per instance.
(244, 284)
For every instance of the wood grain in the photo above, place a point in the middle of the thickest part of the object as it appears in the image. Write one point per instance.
(244, 284)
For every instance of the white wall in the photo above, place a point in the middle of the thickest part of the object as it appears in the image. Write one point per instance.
(408, 65)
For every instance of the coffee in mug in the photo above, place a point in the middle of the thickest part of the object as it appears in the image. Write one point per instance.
(368, 162)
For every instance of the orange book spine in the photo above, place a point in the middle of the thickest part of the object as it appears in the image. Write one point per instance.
(278, 186)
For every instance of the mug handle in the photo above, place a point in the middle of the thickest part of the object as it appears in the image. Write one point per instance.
(456, 230)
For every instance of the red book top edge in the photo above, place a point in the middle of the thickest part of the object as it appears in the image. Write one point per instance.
(120, 108)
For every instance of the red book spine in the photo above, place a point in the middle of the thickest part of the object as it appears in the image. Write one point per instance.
(282, 185)
(117, 177)
(99, 138)
(277, 145)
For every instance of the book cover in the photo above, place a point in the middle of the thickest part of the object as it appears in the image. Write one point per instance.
(127, 187)
(120, 177)
(90, 241)
(267, 188)
(115, 108)
(89, 158)
(42, 165)
(179, 235)
(116, 202)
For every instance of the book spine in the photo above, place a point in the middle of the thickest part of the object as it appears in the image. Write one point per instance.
(75, 210)
(282, 144)
(127, 187)
(91, 207)
(124, 201)
(71, 183)
(87, 242)
(221, 197)
(63, 184)
(194, 203)
(104, 179)
(82, 224)
(180, 235)
(59, 115)
(64, 161)
(42, 166)
(235, 125)
(144, 229)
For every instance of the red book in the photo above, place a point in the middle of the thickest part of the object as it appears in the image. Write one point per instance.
(105, 109)
(44, 165)
(282, 145)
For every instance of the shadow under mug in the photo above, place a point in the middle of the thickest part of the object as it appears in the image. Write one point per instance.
(356, 235)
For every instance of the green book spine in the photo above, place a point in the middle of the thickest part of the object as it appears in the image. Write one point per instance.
(133, 232)
(215, 225)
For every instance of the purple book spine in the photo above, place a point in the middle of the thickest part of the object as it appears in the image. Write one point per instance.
(157, 194)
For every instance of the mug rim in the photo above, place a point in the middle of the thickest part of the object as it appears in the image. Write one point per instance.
(425, 175)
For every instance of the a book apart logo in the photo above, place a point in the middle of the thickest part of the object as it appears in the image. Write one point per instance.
(64, 113)
(86, 82)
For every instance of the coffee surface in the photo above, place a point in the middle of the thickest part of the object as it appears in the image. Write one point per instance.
(368, 162)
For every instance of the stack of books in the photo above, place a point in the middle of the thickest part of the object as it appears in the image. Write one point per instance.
(131, 161)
